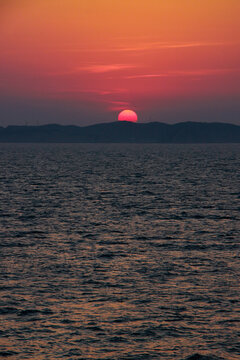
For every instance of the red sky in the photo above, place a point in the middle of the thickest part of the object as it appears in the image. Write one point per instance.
(82, 61)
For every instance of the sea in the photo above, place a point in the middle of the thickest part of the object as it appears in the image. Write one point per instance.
(119, 251)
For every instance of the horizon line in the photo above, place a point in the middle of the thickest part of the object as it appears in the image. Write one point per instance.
(116, 122)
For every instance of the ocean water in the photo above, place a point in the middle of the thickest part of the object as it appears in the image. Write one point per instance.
(119, 251)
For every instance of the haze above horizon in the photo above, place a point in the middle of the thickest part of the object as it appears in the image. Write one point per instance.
(81, 62)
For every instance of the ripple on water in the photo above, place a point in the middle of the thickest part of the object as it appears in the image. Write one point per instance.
(119, 252)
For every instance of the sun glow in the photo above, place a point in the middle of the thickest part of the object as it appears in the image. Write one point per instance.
(128, 115)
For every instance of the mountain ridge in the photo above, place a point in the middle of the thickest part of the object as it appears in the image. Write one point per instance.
(120, 132)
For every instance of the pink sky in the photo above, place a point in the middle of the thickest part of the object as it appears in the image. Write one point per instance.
(82, 62)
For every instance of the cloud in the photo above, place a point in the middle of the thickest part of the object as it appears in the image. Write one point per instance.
(118, 105)
(146, 46)
(119, 102)
(94, 69)
(98, 69)
(156, 45)
(92, 91)
(201, 72)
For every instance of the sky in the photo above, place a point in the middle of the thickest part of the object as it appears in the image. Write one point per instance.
(83, 61)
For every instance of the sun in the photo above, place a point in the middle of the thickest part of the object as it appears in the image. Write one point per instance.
(128, 115)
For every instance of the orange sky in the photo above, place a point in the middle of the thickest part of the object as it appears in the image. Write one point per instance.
(81, 61)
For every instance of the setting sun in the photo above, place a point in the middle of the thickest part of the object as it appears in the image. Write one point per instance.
(128, 115)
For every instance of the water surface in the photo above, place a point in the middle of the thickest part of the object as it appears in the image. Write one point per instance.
(119, 251)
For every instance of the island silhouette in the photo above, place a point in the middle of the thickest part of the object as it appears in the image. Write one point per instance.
(124, 132)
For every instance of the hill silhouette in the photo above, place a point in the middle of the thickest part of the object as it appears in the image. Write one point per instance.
(125, 132)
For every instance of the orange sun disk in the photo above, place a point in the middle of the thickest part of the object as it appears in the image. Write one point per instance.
(128, 115)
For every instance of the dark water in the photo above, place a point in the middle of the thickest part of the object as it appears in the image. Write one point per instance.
(119, 251)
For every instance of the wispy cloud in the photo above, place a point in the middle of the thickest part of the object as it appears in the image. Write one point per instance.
(146, 45)
(93, 91)
(118, 105)
(118, 102)
(156, 45)
(98, 69)
(201, 72)
(95, 69)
